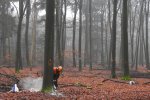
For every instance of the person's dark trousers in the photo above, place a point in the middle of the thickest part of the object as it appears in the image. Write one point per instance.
(55, 78)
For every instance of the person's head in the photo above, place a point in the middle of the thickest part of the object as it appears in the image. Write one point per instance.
(60, 69)
(57, 70)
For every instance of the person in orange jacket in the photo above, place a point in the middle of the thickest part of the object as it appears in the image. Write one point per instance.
(57, 71)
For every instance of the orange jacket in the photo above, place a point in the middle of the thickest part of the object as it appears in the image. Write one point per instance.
(57, 70)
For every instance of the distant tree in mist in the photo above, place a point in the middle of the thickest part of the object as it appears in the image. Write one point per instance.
(74, 31)
(28, 12)
(80, 34)
(90, 32)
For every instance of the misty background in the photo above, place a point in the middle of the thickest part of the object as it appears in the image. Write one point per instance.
(69, 26)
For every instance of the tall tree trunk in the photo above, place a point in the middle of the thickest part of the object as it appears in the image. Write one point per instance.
(132, 19)
(106, 41)
(74, 34)
(9, 51)
(64, 31)
(110, 29)
(27, 30)
(139, 30)
(113, 70)
(80, 34)
(102, 40)
(59, 28)
(137, 47)
(142, 44)
(61, 32)
(98, 44)
(49, 47)
(90, 32)
(3, 38)
(86, 49)
(34, 32)
(57, 32)
(147, 25)
(124, 38)
(18, 44)
(130, 33)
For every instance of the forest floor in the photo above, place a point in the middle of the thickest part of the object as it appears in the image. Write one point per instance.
(85, 85)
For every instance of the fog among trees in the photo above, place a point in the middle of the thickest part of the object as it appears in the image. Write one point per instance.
(99, 48)
(109, 34)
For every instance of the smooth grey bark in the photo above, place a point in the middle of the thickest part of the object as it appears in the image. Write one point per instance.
(58, 32)
(18, 63)
(34, 32)
(3, 25)
(90, 32)
(132, 31)
(102, 37)
(64, 32)
(124, 38)
(113, 69)
(49, 47)
(80, 35)
(147, 35)
(138, 36)
(86, 49)
(74, 33)
(110, 29)
(27, 31)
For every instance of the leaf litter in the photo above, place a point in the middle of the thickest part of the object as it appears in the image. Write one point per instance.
(74, 85)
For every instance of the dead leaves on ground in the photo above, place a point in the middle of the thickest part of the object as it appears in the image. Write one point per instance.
(86, 85)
